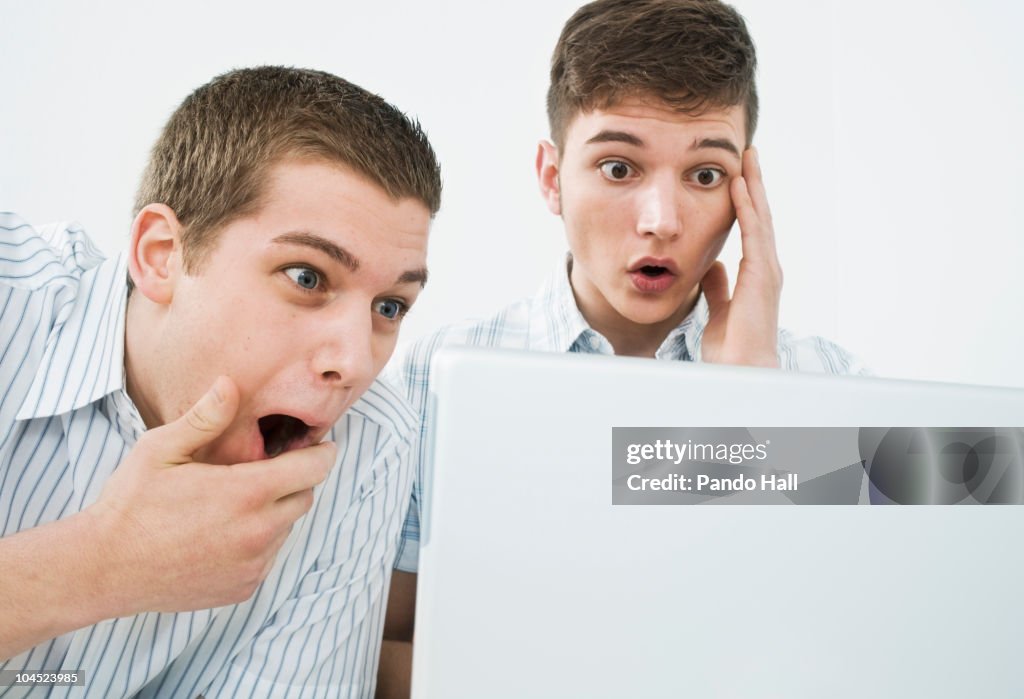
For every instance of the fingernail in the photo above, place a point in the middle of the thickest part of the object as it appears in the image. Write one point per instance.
(217, 389)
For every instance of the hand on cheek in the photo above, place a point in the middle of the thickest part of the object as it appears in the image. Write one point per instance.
(743, 328)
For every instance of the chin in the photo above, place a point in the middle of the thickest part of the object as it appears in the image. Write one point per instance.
(648, 313)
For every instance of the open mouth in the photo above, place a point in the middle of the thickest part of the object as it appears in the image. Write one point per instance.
(282, 433)
(653, 275)
(653, 271)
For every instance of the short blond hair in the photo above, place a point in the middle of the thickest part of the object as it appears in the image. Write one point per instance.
(211, 161)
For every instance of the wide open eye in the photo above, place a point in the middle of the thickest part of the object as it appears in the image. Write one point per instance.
(304, 277)
(616, 169)
(392, 309)
(708, 176)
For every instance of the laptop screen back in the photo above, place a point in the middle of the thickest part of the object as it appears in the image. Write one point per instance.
(534, 584)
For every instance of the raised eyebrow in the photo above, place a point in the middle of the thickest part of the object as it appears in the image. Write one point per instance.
(607, 136)
(412, 276)
(720, 143)
(318, 242)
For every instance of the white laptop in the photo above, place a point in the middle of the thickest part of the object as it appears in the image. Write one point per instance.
(534, 584)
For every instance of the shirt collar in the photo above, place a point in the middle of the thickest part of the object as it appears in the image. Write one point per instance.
(556, 324)
(684, 340)
(555, 320)
(83, 360)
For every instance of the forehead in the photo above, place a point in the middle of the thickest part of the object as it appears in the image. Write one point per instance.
(329, 192)
(335, 203)
(652, 120)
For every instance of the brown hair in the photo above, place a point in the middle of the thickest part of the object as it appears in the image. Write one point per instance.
(691, 54)
(211, 161)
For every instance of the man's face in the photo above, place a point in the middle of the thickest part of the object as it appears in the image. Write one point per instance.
(644, 195)
(299, 304)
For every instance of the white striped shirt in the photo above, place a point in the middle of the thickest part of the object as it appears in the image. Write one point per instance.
(312, 629)
(550, 321)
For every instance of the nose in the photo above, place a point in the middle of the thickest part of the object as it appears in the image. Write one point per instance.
(659, 209)
(343, 357)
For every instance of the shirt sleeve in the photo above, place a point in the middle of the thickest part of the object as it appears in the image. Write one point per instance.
(408, 557)
(817, 354)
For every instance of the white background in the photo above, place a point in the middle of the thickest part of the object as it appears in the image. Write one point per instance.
(891, 139)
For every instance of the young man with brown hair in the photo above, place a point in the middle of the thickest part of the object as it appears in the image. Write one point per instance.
(162, 438)
(652, 108)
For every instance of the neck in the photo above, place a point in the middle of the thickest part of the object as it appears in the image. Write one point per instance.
(138, 356)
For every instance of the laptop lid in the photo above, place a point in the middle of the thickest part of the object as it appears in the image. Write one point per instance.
(533, 583)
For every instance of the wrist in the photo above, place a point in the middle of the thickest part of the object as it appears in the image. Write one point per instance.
(52, 584)
(101, 592)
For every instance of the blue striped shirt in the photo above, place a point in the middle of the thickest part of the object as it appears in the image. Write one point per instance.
(312, 629)
(550, 321)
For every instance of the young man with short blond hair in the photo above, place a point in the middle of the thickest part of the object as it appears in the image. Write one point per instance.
(167, 414)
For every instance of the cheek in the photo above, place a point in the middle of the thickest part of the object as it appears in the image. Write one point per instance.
(716, 222)
(383, 346)
(598, 222)
(710, 248)
(233, 333)
(715, 250)
(724, 213)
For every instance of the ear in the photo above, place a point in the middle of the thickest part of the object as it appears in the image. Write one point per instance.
(154, 254)
(547, 176)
